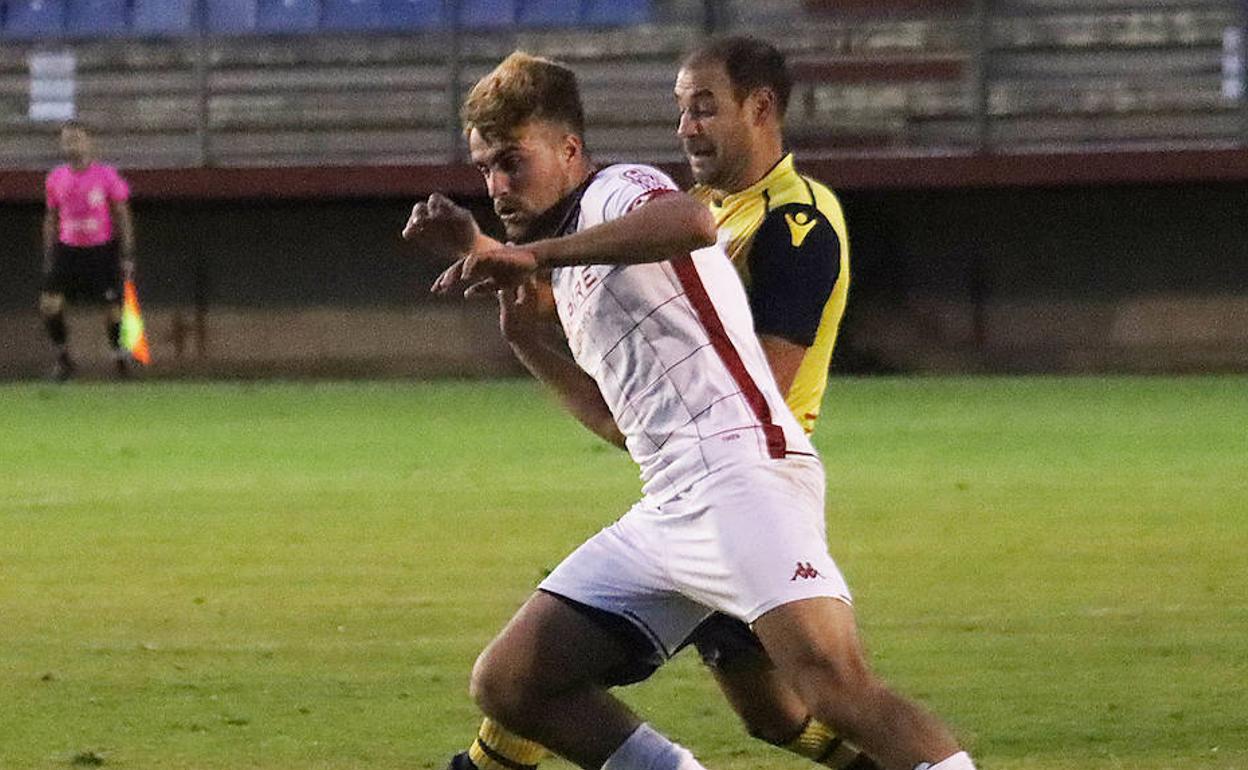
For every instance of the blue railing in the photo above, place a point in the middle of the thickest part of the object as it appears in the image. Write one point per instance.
(57, 19)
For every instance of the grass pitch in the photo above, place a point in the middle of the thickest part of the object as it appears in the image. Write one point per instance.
(299, 576)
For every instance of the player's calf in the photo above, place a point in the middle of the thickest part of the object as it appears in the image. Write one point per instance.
(52, 310)
(814, 643)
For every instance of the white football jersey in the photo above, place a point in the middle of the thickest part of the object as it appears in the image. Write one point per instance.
(673, 350)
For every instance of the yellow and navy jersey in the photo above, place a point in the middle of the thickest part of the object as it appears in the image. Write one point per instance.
(786, 235)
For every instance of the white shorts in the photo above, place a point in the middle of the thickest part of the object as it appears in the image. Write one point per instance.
(741, 541)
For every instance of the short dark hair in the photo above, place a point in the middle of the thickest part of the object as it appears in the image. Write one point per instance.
(751, 63)
(520, 89)
(76, 125)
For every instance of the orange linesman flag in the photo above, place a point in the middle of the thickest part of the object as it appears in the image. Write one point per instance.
(132, 337)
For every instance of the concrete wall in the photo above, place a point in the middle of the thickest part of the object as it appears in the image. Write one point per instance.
(1110, 278)
(1115, 278)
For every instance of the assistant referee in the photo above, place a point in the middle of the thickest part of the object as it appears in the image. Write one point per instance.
(88, 244)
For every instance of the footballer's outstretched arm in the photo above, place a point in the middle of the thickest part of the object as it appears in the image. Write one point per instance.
(667, 226)
(523, 317)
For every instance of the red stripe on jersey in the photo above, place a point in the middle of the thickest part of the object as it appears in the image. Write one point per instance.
(691, 282)
(648, 196)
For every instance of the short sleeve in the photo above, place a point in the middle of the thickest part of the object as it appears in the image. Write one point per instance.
(622, 189)
(118, 190)
(794, 263)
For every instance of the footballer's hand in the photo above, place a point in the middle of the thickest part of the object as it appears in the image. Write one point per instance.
(525, 312)
(441, 228)
(504, 267)
(488, 271)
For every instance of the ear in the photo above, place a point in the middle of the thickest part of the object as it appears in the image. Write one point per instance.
(573, 147)
(763, 106)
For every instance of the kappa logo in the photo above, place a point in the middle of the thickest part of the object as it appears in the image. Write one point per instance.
(805, 571)
(800, 225)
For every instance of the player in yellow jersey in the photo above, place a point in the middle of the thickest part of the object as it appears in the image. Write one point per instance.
(784, 231)
(786, 234)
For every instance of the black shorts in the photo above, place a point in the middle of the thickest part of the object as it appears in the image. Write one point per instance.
(725, 642)
(722, 641)
(86, 273)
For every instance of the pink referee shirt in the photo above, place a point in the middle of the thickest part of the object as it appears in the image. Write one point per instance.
(82, 198)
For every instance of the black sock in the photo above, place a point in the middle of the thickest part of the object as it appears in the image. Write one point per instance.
(114, 334)
(55, 324)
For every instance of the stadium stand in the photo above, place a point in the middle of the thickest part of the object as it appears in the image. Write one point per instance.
(287, 82)
(1110, 73)
(25, 19)
(616, 12)
(412, 14)
(287, 16)
(109, 18)
(230, 17)
(163, 17)
(97, 18)
(483, 14)
(549, 13)
(350, 14)
(1035, 74)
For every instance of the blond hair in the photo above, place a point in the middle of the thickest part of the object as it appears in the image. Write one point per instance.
(520, 89)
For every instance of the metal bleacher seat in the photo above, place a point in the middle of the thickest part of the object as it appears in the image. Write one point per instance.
(34, 18)
(549, 13)
(615, 12)
(487, 13)
(163, 17)
(96, 18)
(287, 16)
(411, 14)
(350, 14)
(230, 17)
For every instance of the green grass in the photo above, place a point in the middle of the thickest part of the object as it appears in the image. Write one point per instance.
(299, 576)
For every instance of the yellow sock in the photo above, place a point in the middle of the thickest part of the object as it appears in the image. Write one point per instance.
(818, 743)
(497, 749)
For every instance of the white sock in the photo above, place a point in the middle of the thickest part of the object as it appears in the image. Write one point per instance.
(646, 749)
(959, 761)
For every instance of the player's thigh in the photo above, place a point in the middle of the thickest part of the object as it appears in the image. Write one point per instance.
(102, 275)
(815, 643)
(548, 646)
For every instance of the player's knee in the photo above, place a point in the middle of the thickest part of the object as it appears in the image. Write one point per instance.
(50, 304)
(849, 675)
(823, 676)
(499, 688)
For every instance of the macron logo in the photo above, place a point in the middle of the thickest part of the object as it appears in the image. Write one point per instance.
(805, 572)
(799, 227)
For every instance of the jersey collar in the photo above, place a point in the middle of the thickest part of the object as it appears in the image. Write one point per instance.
(783, 168)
